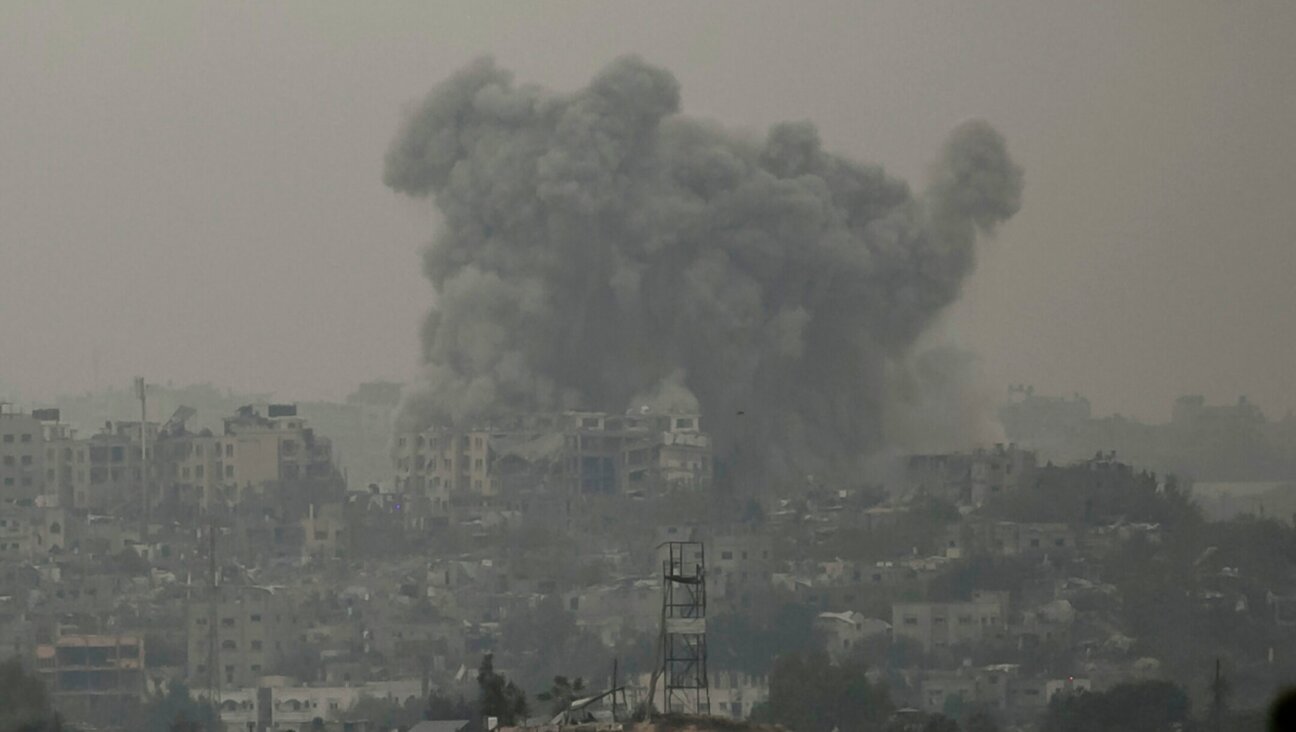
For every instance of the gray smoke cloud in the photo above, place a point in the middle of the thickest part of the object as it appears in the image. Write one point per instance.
(598, 249)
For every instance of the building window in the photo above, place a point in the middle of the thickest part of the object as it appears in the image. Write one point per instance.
(256, 645)
(228, 645)
(229, 450)
(256, 617)
(726, 555)
(26, 437)
(8, 439)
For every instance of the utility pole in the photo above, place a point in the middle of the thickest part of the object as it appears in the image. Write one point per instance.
(213, 598)
(1219, 699)
(614, 689)
(140, 391)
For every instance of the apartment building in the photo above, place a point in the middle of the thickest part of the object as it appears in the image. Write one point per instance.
(22, 457)
(94, 677)
(969, 478)
(942, 625)
(244, 634)
(575, 452)
(261, 449)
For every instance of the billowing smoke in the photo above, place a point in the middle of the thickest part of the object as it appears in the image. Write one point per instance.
(598, 249)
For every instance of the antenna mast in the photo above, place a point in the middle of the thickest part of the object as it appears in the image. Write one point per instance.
(213, 598)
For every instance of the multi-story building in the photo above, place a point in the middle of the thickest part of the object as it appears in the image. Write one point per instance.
(575, 452)
(942, 625)
(969, 478)
(244, 633)
(94, 677)
(740, 569)
(114, 464)
(28, 532)
(265, 450)
(43, 462)
(22, 457)
(1009, 539)
(65, 468)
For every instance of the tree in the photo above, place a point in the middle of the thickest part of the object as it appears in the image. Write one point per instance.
(809, 694)
(562, 693)
(1148, 706)
(980, 720)
(24, 702)
(940, 723)
(539, 641)
(499, 697)
(735, 641)
(440, 706)
(175, 710)
(383, 713)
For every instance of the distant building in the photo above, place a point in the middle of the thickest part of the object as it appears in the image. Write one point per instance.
(255, 628)
(22, 457)
(94, 677)
(277, 705)
(968, 478)
(942, 625)
(1009, 539)
(844, 632)
(272, 448)
(575, 452)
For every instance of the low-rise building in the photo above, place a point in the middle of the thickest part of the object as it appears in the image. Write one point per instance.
(844, 632)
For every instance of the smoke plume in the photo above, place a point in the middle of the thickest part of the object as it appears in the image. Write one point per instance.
(599, 250)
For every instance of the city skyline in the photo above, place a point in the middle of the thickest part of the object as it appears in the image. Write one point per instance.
(210, 179)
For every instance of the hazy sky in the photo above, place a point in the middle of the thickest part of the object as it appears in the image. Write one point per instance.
(193, 191)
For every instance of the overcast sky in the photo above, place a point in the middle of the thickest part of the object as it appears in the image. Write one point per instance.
(193, 192)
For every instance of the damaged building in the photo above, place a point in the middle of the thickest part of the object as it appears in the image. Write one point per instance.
(572, 452)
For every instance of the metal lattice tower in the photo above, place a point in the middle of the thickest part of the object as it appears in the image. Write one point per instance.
(683, 640)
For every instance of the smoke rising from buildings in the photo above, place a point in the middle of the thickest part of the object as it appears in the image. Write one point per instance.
(599, 250)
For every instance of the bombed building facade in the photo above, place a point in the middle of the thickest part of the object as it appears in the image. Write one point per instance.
(568, 452)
